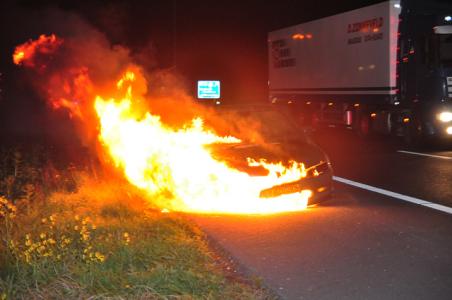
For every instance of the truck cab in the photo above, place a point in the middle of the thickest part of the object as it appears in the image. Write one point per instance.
(424, 70)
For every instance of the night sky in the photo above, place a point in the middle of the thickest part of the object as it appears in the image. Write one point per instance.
(223, 40)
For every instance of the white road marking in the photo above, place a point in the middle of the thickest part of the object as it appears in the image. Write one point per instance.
(414, 200)
(424, 154)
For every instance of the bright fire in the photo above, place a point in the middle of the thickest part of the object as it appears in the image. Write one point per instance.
(176, 163)
(173, 165)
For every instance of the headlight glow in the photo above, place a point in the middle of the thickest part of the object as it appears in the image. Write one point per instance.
(445, 116)
(449, 130)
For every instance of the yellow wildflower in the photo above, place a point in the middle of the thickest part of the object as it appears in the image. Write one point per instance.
(99, 257)
(126, 238)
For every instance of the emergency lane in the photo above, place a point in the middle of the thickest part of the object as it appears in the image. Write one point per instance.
(359, 245)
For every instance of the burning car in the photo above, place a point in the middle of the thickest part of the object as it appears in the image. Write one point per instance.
(264, 165)
(270, 133)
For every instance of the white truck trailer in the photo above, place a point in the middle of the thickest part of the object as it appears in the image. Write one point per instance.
(383, 68)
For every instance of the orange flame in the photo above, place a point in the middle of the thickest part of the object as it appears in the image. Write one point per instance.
(71, 91)
(26, 53)
(175, 163)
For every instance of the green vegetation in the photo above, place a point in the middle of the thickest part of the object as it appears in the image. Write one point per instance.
(85, 238)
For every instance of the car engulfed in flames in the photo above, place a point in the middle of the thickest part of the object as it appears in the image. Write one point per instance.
(282, 142)
(197, 167)
(318, 180)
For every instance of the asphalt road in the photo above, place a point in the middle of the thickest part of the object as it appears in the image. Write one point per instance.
(360, 244)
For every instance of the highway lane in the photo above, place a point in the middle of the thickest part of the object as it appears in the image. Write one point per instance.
(361, 244)
(378, 162)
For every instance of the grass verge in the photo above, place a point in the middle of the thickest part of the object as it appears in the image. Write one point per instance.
(104, 241)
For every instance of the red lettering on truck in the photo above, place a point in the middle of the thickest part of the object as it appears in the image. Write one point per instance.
(365, 26)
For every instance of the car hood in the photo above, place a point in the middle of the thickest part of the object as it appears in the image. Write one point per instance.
(236, 155)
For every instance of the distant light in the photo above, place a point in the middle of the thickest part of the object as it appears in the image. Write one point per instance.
(406, 120)
(396, 103)
(298, 36)
(330, 104)
(397, 5)
(356, 105)
(217, 102)
(449, 130)
(445, 116)
(289, 102)
(309, 102)
(373, 115)
(448, 18)
(309, 36)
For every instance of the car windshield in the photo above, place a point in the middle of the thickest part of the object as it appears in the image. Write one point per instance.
(275, 125)
(263, 125)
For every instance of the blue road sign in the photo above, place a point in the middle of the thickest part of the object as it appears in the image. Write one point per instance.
(208, 89)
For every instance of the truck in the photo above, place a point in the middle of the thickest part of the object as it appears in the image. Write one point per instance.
(384, 68)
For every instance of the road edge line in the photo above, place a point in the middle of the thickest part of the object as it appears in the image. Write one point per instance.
(410, 199)
(424, 154)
